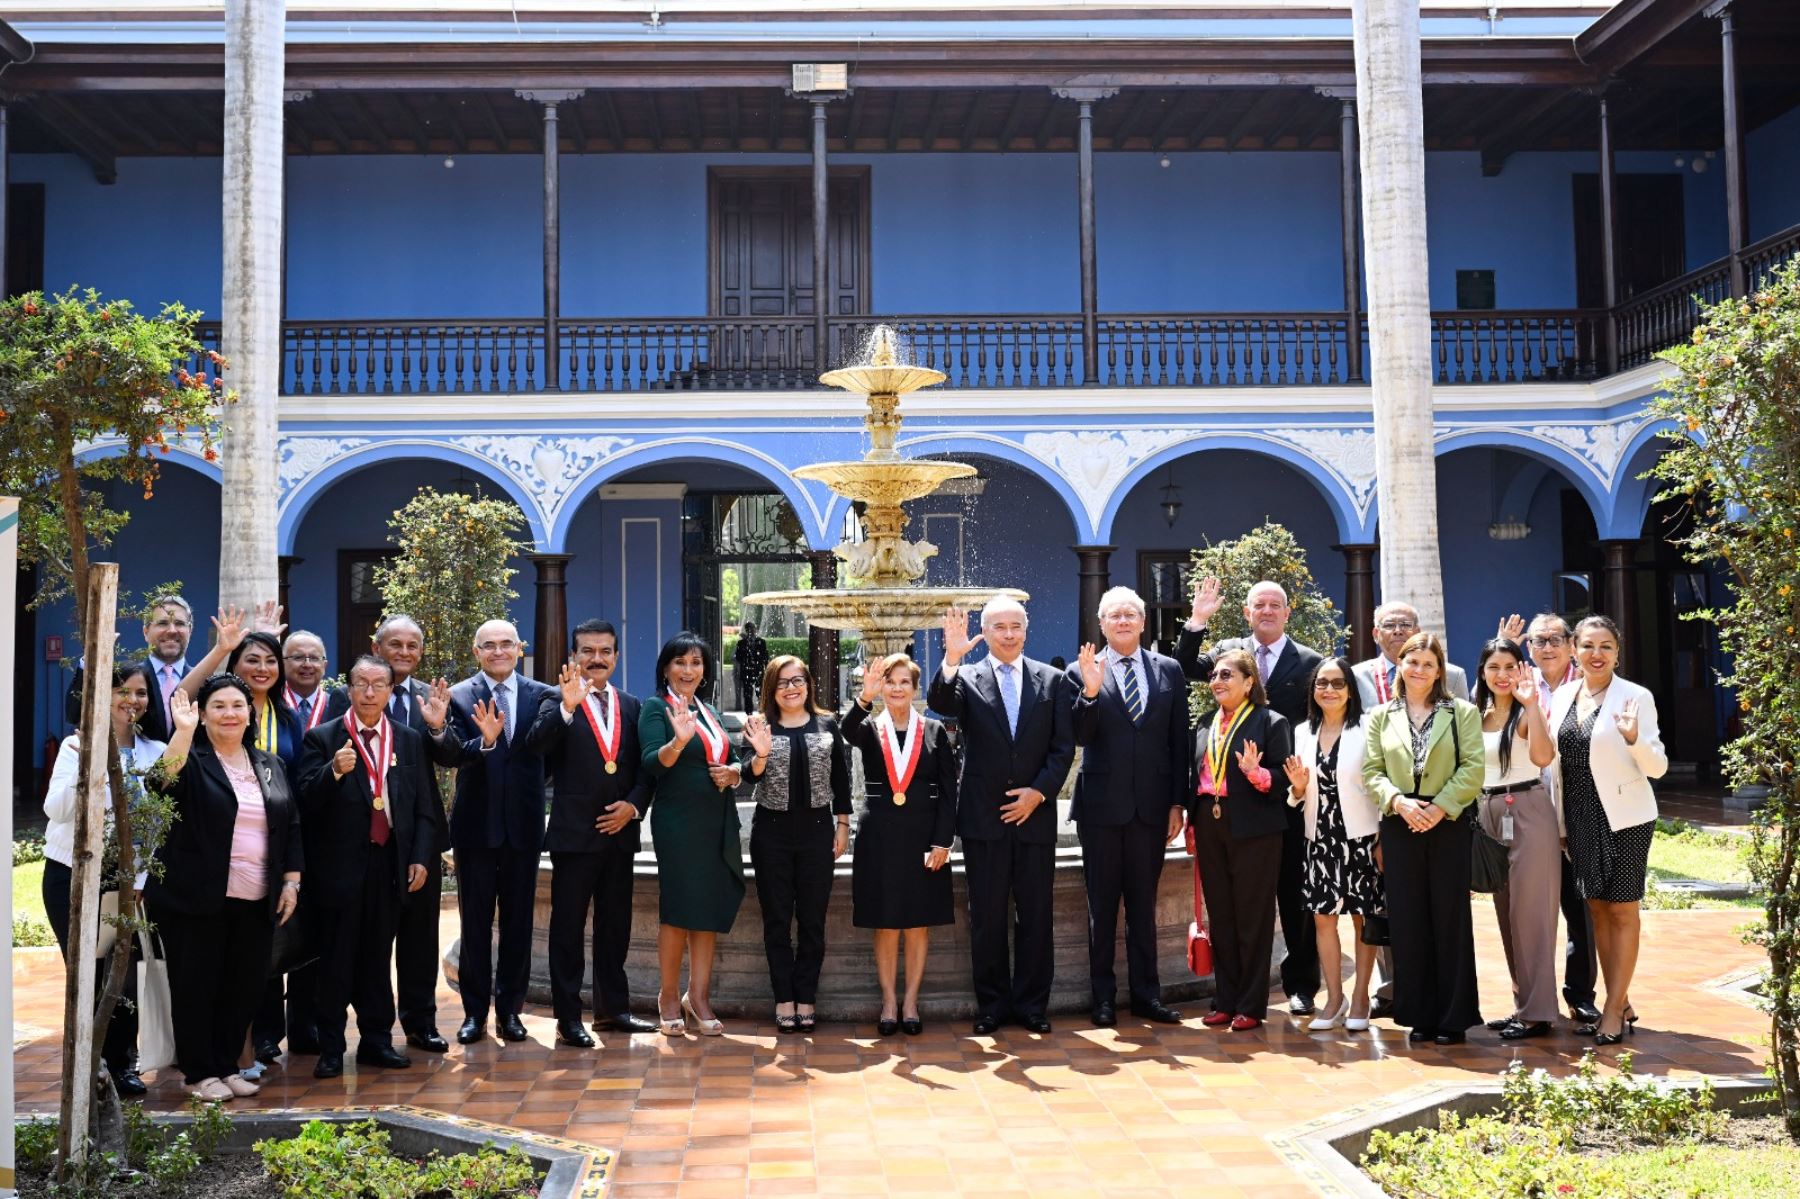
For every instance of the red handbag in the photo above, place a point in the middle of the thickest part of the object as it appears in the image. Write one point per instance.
(1199, 945)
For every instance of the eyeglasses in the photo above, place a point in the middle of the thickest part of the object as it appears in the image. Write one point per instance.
(488, 647)
(369, 684)
(1331, 684)
(304, 659)
(796, 683)
(1397, 626)
(1553, 641)
(1220, 676)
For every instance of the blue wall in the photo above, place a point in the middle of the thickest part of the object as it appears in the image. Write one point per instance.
(628, 572)
(1772, 162)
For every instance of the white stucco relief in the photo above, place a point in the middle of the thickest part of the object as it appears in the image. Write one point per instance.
(546, 466)
(299, 457)
(1094, 463)
(1348, 453)
(1601, 446)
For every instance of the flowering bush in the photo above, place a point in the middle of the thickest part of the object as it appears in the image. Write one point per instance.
(1269, 552)
(353, 1161)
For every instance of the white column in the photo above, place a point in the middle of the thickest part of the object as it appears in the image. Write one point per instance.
(9, 579)
(254, 70)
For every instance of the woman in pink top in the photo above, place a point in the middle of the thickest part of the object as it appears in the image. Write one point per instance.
(230, 873)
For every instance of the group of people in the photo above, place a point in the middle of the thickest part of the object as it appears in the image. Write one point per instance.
(1317, 788)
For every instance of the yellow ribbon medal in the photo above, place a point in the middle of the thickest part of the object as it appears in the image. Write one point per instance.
(1219, 746)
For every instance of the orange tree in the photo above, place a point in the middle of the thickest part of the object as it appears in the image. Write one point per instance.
(77, 369)
(1735, 463)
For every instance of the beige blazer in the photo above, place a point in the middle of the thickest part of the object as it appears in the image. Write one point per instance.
(1622, 772)
(1361, 817)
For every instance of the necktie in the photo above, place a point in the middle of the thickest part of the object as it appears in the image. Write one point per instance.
(1134, 694)
(1009, 695)
(1262, 663)
(398, 707)
(501, 701)
(306, 710)
(378, 823)
(168, 688)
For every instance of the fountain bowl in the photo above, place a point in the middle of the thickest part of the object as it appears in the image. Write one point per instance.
(887, 617)
(882, 377)
(884, 484)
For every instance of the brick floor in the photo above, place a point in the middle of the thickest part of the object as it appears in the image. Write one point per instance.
(1131, 1111)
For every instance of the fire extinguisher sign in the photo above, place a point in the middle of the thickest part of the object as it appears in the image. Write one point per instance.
(53, 648)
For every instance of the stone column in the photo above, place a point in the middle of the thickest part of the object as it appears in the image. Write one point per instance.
(1617, 596)
(550, 617)
(1094, 578)
(1359, 599)
(822, 644)
(251, 300)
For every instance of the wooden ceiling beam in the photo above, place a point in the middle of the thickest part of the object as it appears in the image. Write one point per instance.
(484, 108)
(732, 133)
(968, 126)
(609, 116)
(89, 144)
(1252, 116)
(364, 115)
(1015, 114)
(1516, 133)
(894, 119)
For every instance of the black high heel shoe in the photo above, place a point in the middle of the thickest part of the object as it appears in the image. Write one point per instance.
(912, 1026)
(1628, 1027)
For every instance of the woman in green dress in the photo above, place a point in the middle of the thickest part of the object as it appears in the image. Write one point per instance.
(693, 826)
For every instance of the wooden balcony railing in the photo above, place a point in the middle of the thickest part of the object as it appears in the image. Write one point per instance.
(1664, 316)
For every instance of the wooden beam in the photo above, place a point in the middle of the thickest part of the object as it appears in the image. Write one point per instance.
(1171, 119)
(1052, 114)
(968, 125)
(696, 123)
(929, 133)
(894, 118)
(88, 144)
(367, 117)
(1014, 114)
(571, 112)
(1120, 133)
(609, 115)
(732, 103)
(484, 107)
(1516, 132)
(1253, 116)
(1630, 28)
(320, 108)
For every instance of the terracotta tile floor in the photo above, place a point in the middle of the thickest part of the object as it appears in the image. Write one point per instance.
(1131, 1111)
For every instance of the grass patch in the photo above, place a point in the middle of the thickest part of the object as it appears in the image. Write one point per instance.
(28, 893)
(1736, 1171)
(1685, 851)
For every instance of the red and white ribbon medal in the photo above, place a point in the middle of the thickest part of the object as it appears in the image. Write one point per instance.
(318, 709)
(377, 768)
(1383, 690)
(603, 718)
(712, 737)
(900, 769)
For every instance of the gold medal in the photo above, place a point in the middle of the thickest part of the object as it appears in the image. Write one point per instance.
(380, 803)
(900, 799)
(1216, 811)
(612, 768)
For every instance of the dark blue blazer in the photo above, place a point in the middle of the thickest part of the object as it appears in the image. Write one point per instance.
(583, 788)
(996, 761)
(499, 792)
(1131, 769)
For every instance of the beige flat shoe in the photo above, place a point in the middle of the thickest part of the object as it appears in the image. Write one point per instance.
(708, 1028)
(242, 1087)
(213, 1090)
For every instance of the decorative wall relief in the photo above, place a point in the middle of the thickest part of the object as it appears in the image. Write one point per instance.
(299, 457)
(1601, 446)
(1095, 462)
(546, 466)
(1350, 453)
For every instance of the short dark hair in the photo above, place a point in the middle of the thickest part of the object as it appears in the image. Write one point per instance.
(679, 646)
(1353, 706)
(1547, 617)
(372, 660)
(750, 628)
(771, 709)
(594, 628)
(277, 693)
(220, 682)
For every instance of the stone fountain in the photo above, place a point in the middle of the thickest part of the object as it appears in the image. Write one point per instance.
(885, 604)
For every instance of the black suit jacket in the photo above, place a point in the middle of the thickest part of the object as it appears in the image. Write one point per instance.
(500, 792)
(996, 761)
(196, 855)
(1127, 768)
(335, 813)
(583, 789)
(1249, 812)
(443, 748)
(1287, 685)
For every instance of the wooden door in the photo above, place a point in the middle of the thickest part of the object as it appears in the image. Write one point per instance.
(1651, 229)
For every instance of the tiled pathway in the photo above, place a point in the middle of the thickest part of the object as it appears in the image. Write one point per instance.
(1084, 1112)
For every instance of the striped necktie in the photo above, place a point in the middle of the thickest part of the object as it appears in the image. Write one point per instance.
(1134, 694)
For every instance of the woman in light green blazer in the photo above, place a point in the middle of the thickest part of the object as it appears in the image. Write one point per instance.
(1423, 767)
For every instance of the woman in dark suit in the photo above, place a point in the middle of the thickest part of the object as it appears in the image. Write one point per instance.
(693, 827)
(898, 880)
(230, 873)
(1239, 815)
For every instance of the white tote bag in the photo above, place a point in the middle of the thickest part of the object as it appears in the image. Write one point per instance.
(156, 1026)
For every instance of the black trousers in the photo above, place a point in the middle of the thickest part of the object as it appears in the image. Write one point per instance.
(1300, 966)
(793, 883)
(1427, 878)
(119, 1049)
(1122, 862)
(1238, 879)
(416, 951)
(1581, 963)
(289, 1009)
(217, 964)
(580, 884)
(488, 879)
(356, 943)
(1002, 874)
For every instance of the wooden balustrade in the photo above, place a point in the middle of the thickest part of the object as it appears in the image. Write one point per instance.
(1513, 346)
(1654, 320)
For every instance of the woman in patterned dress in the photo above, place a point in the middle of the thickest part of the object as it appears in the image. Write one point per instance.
(1608, 750)
(1343, 873)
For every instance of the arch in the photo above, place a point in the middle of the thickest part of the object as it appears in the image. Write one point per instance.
(1331, 485)
(674, 449)
(179, 454)
(1632, 495)
(1578, 471)
(987, 445)
(295, 504)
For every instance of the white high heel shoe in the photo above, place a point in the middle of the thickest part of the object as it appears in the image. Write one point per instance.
(1356, 1023)
(1325, 1023)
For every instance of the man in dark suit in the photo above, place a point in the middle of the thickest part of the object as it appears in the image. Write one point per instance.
(587, 734)
(166, 633)
(1286, 667)
(496, 830)
(366, 792)
(1131, 720)
(1018, 743)
(748, 661)
(425, 710)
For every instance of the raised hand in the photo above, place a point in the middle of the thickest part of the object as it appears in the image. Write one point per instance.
(228, 627)
(574, 686)
(184, 711)
(1093, 670)
(756, 732)
(490, 720)
(344, 760)
(1298, 775)
(871, 683)
(1208, 599)
(436, 707)
(957, 642)
(1249, 758)
(1626, 721)
(1511, 627)
(681, 720)
(266, 618)
(1525, 684)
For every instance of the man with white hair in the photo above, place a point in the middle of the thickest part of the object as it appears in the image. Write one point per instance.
(1018, 744)
(1131, 720)
(1286, 668)
(1377, 679)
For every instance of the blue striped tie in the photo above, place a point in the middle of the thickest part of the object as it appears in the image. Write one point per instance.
(1134, 695)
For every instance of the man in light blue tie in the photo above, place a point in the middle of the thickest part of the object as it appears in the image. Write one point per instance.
(1131, 720)
(1018, 744)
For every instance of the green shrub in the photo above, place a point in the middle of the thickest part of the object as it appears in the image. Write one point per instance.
(34, 1143)
(31, 934)
(1645, 1109)
(1483, 1156)
(28, 848)
(353, 1161)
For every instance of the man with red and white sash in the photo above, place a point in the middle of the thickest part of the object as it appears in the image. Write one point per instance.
(586, 732)
(365, 788)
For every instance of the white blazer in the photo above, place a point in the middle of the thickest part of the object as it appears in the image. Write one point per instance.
(1622, 772)
(1361, 818)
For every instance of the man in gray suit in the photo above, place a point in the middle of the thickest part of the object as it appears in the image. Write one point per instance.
(1395, 623)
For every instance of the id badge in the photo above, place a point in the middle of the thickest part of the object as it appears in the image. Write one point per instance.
(1506, 826)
